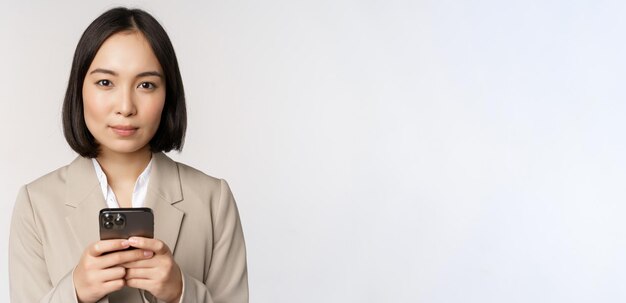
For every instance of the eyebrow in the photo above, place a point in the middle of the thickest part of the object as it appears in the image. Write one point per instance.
(142, 74)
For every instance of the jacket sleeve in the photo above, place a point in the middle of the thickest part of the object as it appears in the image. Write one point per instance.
(227, 278)
(29, 278)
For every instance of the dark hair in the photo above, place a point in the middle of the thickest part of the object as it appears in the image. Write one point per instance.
(171, 132)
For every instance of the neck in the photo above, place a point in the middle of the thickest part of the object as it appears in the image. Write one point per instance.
(120, 167)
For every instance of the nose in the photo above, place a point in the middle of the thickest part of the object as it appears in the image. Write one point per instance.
(126, 103)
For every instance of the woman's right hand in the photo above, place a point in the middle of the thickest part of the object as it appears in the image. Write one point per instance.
(98, 272)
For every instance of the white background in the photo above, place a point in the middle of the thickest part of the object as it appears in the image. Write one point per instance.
(379, 151)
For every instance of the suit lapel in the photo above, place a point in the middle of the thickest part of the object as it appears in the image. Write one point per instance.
(164, 190)
(84, 196)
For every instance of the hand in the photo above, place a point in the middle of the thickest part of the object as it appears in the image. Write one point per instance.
(160, 275)
(98, 274)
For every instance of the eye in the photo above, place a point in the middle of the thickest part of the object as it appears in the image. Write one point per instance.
(147, 85)
(104, 82)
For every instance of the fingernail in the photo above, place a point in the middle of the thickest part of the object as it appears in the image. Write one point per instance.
(132, 241)
(125, 243)
(147, 253)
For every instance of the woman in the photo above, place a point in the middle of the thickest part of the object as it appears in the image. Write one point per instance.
(123, 108)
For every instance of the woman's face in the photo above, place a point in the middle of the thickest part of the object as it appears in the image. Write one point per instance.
(124, 94)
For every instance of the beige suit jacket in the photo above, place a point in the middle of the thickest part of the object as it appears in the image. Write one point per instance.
(56, 217)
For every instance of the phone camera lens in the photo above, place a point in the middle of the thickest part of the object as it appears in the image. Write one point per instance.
(108, 225)
(119, 220)
(108, 217)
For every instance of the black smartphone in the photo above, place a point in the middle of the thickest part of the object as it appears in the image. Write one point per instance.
(123, 223)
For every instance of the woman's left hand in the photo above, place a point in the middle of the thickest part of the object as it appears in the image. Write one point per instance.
(160, 275)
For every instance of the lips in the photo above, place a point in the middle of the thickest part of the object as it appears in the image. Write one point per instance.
(124, 130)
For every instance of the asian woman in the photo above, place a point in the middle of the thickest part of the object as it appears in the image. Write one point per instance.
(124, 108)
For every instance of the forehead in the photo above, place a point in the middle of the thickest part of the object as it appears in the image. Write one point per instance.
(127, 52)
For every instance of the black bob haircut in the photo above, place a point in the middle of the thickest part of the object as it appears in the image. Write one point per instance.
(171, 132)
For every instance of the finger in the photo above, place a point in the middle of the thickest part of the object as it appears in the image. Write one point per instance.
(147, 263)
(114, 285)
(122, 257)
(111, 274)
(144, 284)
(106, 246)
(140, 273)
(155, 245)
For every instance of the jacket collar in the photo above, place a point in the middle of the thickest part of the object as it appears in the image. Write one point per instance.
(84, 196)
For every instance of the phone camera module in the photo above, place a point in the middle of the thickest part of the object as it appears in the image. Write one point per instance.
(119, 220)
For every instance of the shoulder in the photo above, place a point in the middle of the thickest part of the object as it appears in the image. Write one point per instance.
(69, 184)
(49, 191)
(200, 185)
(191, 174)
(193, 179)
(166, 167)
(50, 182)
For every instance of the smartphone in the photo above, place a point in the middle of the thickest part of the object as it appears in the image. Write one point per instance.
(123, 223)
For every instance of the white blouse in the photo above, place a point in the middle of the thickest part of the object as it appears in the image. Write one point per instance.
(139, 192)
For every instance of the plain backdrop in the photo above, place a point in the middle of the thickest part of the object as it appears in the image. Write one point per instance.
(379, 151)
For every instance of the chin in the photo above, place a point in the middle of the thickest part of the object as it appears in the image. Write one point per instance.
(125, 148)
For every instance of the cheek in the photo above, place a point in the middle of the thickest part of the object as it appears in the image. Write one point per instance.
(153, 111)
(93, 108)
